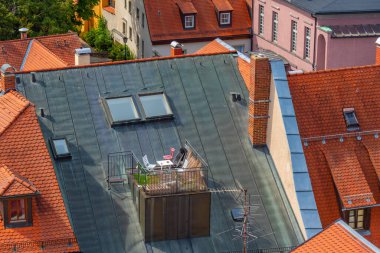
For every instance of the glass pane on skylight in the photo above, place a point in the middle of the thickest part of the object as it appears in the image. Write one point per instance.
(122, 109)
(60, 146)
(155, 105)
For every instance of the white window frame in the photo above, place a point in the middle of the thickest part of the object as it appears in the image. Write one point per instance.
(189, 21)
(307, 42)
(294, 31)
(225, 18)
(125, 27)
(261, 19)
(275, 27)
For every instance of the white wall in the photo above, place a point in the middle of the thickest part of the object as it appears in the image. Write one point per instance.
(164, 50)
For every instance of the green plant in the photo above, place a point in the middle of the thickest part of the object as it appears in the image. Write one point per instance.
(117, 52)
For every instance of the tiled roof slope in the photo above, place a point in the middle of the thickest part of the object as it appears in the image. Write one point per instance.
(337, 238)
(39, 57)
(12, 184)
(165, 24)
(23, 149)
(63, 46)
(348, 164)
(11, 106)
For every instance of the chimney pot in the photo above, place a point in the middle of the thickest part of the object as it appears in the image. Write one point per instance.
(23, 33)
(7, 77)
(82, 56)
(176, 48)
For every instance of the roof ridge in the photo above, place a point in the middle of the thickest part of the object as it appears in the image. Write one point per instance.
(335, 70)
(39, 37)
(50, 52)
(25, 106)
(124, 62)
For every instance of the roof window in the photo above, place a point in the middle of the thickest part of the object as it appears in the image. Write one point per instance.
(121, 110)
(60, 148)
(155, 105)
(352, 122)
(225, 18)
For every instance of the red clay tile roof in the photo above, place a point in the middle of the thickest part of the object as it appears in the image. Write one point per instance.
(165, 24)
(23, 149)
(63, 46)
(11, 106)
(186, 7)
(12, 184)
(349, 165)
(40, 57)
(222, 5)
(109, 9)
(337, 238)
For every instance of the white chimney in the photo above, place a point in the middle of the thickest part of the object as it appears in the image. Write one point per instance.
(82, 56)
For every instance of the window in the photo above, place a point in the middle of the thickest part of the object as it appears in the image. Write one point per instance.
(155, 105)
(352, 122)
(138, 42)
(16, 210)
(261, 19)
(239, 48)
(143, 20)
(60, 148)
(358, 219)
(189, 21)
(125, 4)
(111, 3)
(142, 49)
(124, 27)
(225, 18)
(130, 33)
(275, 27)
(294, 36)
(130, 7)
(307, 42)
(120, 110)
(137, 13)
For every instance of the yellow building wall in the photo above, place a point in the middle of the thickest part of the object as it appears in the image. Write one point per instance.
(93, 22)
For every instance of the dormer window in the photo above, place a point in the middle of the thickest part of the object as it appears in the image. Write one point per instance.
(17, 212)
(225, 18)
(189, 21)
(352, 122)
(188, 14)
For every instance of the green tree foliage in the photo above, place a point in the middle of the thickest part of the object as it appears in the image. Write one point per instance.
(100, 38)
(42, 17)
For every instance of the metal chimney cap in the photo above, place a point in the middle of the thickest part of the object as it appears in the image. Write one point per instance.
(23, 30)
(80, 51)
(378, 41)
(175, 44)
(5, 67)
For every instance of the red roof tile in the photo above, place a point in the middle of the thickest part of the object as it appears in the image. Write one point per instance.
(350, 165)
(12, 184)
(63, 46)
(186, 7)
(23, 149)
(39, 57)
(338, 237)
(223, 5)
(109, 9)
(165, 24)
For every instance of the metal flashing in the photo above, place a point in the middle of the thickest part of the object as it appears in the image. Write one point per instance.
(26, 54)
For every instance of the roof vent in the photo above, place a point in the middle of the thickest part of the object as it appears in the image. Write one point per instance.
(33, 77)
(235, 96)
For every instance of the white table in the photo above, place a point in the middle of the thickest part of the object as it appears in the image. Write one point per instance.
(165, 163)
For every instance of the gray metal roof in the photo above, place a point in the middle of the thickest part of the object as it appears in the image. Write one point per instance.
(198, 90)
(337, 6)
(350, 31)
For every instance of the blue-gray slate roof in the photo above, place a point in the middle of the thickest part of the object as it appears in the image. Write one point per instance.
(198, 90)
(337, 6)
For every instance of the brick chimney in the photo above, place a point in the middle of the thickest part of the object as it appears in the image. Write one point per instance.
(378, 51)
(23, 33)
(259, 92)
(82, 56)
(7, 77)
(176, 48)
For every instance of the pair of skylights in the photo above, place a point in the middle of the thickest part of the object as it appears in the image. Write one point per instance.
(122, 110)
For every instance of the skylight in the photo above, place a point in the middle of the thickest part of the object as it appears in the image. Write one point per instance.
(121, 110)
(352, 122)
(60, 148)
(155, 105)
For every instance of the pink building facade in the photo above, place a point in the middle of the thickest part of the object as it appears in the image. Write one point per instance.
(310, 40)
